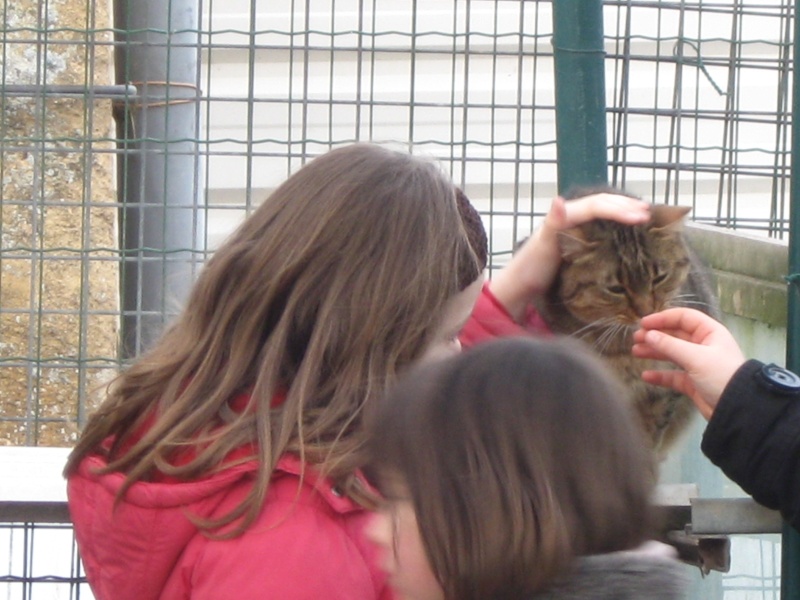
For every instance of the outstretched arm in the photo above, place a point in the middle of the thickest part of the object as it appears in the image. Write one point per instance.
(531, 270)
(753, 433)
(704, 350)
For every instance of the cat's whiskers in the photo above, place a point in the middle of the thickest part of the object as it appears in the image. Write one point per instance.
(683, 300)
(599, 324)
(604, 340)
(602, 333)
(611, 334)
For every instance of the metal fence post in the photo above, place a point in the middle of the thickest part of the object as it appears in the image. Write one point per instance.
(790, 543)
(579, 56)
(161, 221)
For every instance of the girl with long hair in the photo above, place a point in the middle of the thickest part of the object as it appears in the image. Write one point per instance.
(221, 463)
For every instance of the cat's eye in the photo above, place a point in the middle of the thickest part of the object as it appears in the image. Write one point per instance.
(659, 278)
(616, 289)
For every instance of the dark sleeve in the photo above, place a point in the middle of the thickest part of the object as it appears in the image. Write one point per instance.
(754, 437)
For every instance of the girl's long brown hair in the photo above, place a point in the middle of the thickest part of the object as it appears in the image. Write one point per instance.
(331, 286)
(519, 456)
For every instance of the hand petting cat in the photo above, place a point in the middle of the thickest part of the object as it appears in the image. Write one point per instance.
(701, 346)
(533, 267)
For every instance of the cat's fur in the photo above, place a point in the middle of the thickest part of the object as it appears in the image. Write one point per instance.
(612, 275)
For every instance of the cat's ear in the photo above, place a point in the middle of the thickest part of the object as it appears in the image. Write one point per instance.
(663, 216)
(573, 243)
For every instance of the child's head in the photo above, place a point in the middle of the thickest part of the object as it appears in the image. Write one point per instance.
(344, 269)
(341, 278)
(513, 458)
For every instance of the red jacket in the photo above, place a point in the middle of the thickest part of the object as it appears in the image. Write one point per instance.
(307, 543)
(490, 320)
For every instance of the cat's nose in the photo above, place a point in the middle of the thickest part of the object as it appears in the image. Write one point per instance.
(644, 306)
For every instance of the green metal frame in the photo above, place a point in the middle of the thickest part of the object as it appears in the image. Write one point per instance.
(790, 546)
(579, 54)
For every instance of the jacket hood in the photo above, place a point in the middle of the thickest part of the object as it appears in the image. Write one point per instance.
(631, 575)
(130, 548)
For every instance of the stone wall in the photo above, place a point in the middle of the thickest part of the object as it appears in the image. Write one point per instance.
(59, 291)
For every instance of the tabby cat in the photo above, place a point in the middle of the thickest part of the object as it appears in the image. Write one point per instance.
(611, 276)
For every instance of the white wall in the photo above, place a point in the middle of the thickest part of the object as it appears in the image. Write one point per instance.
(313, 90)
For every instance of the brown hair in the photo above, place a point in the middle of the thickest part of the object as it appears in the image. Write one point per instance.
(336, 282)
(519, 456)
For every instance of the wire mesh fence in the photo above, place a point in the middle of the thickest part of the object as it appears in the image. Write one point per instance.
(58, 314)
(700, 106)
(40, 561)
(116, 182)
(134, 140)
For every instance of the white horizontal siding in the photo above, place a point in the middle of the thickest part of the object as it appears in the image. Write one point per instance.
(312, 89)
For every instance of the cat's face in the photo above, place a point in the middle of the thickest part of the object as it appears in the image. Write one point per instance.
(616, 274)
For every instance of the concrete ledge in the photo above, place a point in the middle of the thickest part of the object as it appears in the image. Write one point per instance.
(32, 489)
(748, 272)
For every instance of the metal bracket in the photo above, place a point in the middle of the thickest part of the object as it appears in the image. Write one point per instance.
(699, 528)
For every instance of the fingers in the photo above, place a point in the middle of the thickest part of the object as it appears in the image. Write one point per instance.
(686, 320)
(639, 334)
(679, 334)
(614, 207)
(680, 381)
(644, 350)
(659, 346)
(677, 380)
